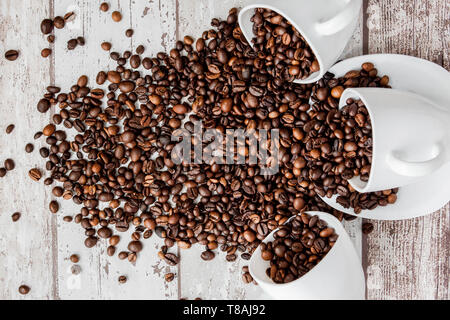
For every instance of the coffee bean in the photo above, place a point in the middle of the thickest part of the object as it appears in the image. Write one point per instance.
(116, 16)
(24, 289)
(46, 52)
(29, 148)
(15, 216)
(54, 206)
(169, 277)
(171, 259)
(43, 105)
(106, 46)
(122, 279)
(72, 44)
(9, 164)
(11, 55)
(10, 128)
(46, 26)
(207, 255)
(90, 241)
(135, 246)
(59, 22)
(49, 130)
(81, 41)
(367, 228)
(51, 38)
(74, 258)
(2, 172)
(35, 174)
(104, 6)
(129, 33)
(69, 16)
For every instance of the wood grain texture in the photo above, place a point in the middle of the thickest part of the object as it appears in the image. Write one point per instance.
(27, 247)
(409, 259)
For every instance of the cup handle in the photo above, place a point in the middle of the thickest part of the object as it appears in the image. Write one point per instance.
(341, 20)
(416, 169)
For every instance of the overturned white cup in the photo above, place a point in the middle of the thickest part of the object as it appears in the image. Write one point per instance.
(339, 275)
(410, 136)
(326, 25)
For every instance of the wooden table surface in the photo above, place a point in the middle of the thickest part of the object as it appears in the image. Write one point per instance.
(402, 259)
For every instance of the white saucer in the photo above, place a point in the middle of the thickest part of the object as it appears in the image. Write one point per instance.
(433, 82)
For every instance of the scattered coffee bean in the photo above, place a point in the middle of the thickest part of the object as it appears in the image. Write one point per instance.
(367, 228)
(11, 55)
(51, 38)
(9, 164)
(46, 26)
(35, 174)
(129, 33)
(122, 279)
(53, 206)
(69, 16)
(169, 277)
(10, 128)
(104, 7)
(2, 172)
(116, 16)
(59, 22)
(106, 46)
(74, 258)
(81, 41)
(15, 216)
(46, 52)
(72, 44)
(24, 289)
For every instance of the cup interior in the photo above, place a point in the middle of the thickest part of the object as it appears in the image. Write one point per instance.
(356, 182)
(258, 266)
(246, 26)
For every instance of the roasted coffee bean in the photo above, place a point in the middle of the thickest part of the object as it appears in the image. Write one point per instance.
(15, 216)
(72, 44)
(9, 164)
(207, 255)
(129, 33)
(59, 22)
(171, 259)
(11, 55)
(74, 258)
(122, 279)
(2, 172)
(10, 128)
(46, 26)
(106, 46)
(43, 105)
(29, 148)
(35, 174)
(81, 41)
(104, 6)
(116, 16)
(367, 228)
(169, 277)
(135, 246)
(24, 289)
(53, 206)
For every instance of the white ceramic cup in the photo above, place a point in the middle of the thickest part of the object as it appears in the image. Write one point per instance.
(338, 275)
(326, 25)
(410, 136)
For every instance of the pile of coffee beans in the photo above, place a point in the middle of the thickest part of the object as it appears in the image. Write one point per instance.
(118, 166)
(281, 48)
(298, 246)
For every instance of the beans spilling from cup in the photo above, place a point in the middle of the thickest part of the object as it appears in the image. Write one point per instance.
(281, 48)
(298, 246)
(120, 158)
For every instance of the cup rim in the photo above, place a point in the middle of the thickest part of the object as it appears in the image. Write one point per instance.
(352, 92)
(307, 274)
(308, 80)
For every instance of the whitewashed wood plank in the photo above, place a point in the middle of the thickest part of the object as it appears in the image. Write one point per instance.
(99, 276)
(27, 248)
(409, 259)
